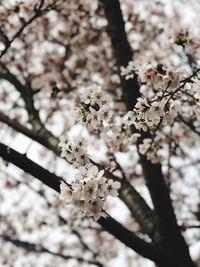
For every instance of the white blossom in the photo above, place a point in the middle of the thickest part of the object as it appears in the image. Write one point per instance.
(74, 152)
(95, 112)
(90, 188)
(87, 193)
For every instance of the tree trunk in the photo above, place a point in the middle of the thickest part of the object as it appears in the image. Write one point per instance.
(178, 261)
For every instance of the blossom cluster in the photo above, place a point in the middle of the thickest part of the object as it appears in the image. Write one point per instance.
(154, 116)
(164, 96)
(94, 111)
(148, 115)
(160, 77)
(96, 114)
(88, 192)
(74, 152)
(119, 136)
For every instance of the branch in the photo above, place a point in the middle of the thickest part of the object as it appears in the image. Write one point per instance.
(189, 125)
(143, 248)
(41, 194)
(40, 249)
(136, 204)
(121, 49)
(173, 239)
(21, 161)
(36, 136)
(113, 227)
(38, 12)
(26, 94)
(34, 118)
(140, 210)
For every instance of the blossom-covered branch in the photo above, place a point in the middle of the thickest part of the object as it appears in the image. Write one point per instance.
(39, 10)
(152, 172)
(112, 226)
(36, 248)
(135, 202)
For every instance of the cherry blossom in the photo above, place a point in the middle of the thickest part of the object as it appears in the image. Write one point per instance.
(88, 193)
(127, 95)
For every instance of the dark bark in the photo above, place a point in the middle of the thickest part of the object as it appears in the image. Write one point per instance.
(138, 207)
(127, 237)
(172, 238)
(121, 49)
